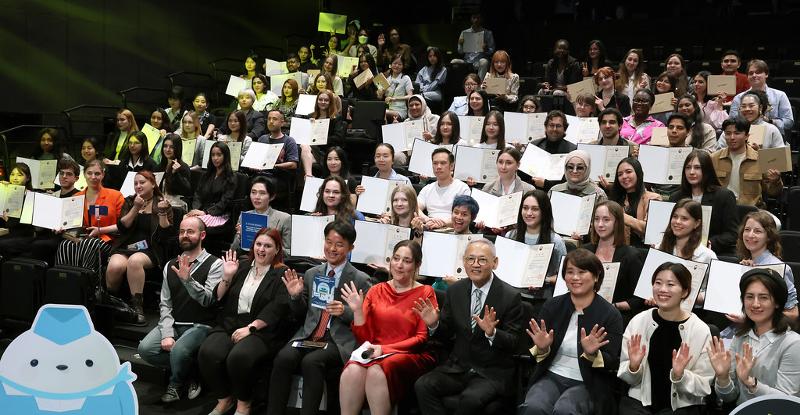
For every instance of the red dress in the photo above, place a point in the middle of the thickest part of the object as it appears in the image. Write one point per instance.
(391, 322)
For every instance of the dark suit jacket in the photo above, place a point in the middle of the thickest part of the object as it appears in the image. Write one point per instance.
(256, 124)
(630, 267)
(572, 73)
(620, 102)
(340, 326)
(723, 231)
(270, 305)
(471, 349)
(556, 313)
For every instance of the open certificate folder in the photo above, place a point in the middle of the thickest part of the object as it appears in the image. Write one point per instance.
(262, 156)
(470, 128)
(11, 199)
(582, 130)
(610, 273)
(520, 264)
(524, 128)
(401, 135)
(604, 160)
(42, 172)
(375, 242)
(722, 291)
(539, 163)
(377, 196)
(663, 165)
(310, 132)
(497, 211)
(421, 153)
(308, 236)
(308, 201)
(235, 148)
(443, 254)
(571, 214)
(478, 163)
(644, 287)
(658, 216)
(51, 212)
(251, 224)
(127, 186)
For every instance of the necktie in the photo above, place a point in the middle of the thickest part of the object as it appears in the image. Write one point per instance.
(324, 318)
(476, 306)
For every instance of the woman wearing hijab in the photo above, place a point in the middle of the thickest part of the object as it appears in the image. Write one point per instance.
(418, 111)
(577, 167)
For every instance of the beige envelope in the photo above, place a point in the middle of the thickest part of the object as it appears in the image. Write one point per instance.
(779, 158)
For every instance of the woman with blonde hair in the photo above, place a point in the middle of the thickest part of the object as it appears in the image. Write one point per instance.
(117, 141)
(501, 68)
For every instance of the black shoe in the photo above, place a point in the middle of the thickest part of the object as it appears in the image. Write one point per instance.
(138, 304)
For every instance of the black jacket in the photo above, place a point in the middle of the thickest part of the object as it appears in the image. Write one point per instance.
(630, 268)
(572, 73)
(723, 231)
(618, 101)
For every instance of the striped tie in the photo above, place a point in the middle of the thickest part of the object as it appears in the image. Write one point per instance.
(477, 294)
(324, 318)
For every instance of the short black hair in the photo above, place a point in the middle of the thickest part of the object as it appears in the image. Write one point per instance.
(344, 229)
(733, 52)
(268, 184)
(613, 111)
(450, 157)
(69, 164)
(740, 124)
(677, 115)
(587, 261)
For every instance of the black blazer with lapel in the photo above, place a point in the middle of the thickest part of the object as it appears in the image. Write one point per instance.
(471, 349)
(724, 229)
(630, 267)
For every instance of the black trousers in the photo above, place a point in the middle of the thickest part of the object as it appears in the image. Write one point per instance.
(474, 392)
(630, 406)
(230, 369)
(317, 366)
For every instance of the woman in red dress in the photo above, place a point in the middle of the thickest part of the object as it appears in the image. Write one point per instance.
(386, 319)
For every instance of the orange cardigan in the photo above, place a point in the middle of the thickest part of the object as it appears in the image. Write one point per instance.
(106, 197)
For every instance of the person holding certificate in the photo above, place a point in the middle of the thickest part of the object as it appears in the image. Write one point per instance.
(562, 69)
(554, 142)
(116, 144)
(326, 106)
(632, 75)
(764, 356)
(287, 103)
(399, 91)
(436, 199)
(213, 197)
(608, 97)
(405, 211)
(264, 96)
(384, 160)
(251, 326)
(479, 47)
(665, 352)
(577, 167)
(262, 192)
(712, 106)
(157, 121)
(337, 164)
(460, 104)
(320, 82)
(753, 107)
(237, 132)
(682, 236)
(44, 245)
(176, 183)
(386, 318)
(576, 344)
(501, 68)
(678, 127)
(700, 182)
(628, 190)
(507, 181)
(493, 134)
(330, 66)
(431, 78)
(780, 112)
(702, 136)
(448, 130)
(333, 198)
(135, 159)
(191, 134)
(418, 111)
(367, 91)
(19, 234)
(286, 163)
(638, 127)
(730, 62)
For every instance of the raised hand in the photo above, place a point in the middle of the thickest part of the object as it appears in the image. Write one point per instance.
(138, 202)
(720, 359)
(183, 268)
(163, 204)
(489, 321)
(231, 264)
(744, 363)
(540, 336)
(426, 311)
(680, 358)
(353, 296)
(293, 282)
(593, 341)
(636, 352)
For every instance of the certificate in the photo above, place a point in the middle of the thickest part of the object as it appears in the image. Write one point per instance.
(401, 135)
(362, 78)
(375, 242)
(53, 212)
(539, 163)
(778, 158)
(658, 216)
(644, 287)
(380, 81)
(722, 290)
(478, 163)
(308, 202)
(582, 87)
(571, 214)
(127, 185)
(496, 86)
(153, 135)
(262, 156)
(312, 74)
(187, 152)
(605, 159)
(663, 165)
(473, 42)
(305, 105)
(421, 154)
(332, 23)
(377, 196)
(582, 130)
(345, 65)
(276, 81)
(471, 128)
(308, 238)
(251, 224)
(663, 103)
(310, 132)
(272, 67)
(497, 211)
(443, 254)
(659, 137)
(522, 265)
(12, 198)
(42, 172)
(235, 148)
(236, 85)
(524, 128)
(757, 133)
(722, 84)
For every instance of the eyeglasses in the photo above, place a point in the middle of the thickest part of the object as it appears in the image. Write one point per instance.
(66, 173)
(481, 261)
(571, 167)
(641, 101)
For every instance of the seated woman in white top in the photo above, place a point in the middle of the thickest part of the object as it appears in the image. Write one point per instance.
(399, 91)
(384, 159)
(682, 236)
(264, 96)
(459, 105)
(190, 130)
(330, 67)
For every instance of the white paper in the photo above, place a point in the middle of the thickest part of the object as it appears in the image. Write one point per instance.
(236, 85)
(80, 184)
(539, 163)
(524, 128)
(443, 254)
(310, 132)
(401, 135)
(421, 153)
(127, 185)
(658, 217)
(262, 156)
(610, 273)
(478, 163)
(42, 172)
(272, 67)
(308, 202)
(561, 284)
(375, 242)
(377, 196)
(722, 290)
(305, 105)
(522, 265)
(276, 81)
(497, 211)
(582, 130)
(356, 356)
(473, 42)
(604, 160)
(345, 65)
(27, 208)
(470, 128)
(53, 212)
(187, 153)
(644, 287)
(663, 165)
(571, 214)
(12, 198)
(308, 235)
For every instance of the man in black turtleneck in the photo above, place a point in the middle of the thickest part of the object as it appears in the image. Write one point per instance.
(555, 129)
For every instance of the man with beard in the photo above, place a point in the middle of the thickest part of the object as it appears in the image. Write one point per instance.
(186, 317)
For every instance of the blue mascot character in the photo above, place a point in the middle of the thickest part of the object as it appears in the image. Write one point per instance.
(63, 366)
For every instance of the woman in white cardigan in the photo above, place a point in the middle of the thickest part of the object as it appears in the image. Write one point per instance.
(664, 357)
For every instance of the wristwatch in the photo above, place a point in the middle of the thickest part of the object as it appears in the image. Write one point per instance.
(253, 329)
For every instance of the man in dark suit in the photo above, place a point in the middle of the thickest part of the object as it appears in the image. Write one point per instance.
(483, 317)
(324, 342)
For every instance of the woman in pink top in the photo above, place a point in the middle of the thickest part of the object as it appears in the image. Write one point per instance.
(638, 127)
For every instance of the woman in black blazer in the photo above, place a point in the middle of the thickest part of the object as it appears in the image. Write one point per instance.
(700, 181)
(251, 325)
(576, 344)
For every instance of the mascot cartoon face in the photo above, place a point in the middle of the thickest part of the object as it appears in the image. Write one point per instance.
(61, 359)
